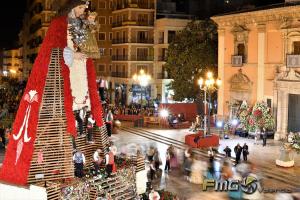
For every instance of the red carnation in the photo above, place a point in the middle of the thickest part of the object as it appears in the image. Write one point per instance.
(251, 121)
(257, 113)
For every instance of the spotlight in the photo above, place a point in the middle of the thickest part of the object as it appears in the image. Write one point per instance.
(234, 122)
(164, 113)
(219, 124)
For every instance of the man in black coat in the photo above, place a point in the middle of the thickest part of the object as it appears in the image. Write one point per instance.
(245, 152)
(238, 152)
(227, 151)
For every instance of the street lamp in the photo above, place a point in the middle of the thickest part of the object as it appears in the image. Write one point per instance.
(143, 79)
(208, 85)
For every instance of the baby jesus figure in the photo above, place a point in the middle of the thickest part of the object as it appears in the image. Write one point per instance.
(90, 47)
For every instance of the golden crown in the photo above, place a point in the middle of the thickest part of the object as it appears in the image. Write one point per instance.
(93, 13)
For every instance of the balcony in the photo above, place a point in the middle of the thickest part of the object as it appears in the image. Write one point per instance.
(161, 41)
(119, 58)
(120, 41)
(162, 58)
(133, 4)
(143, 41)
(132, 23)
(237, 60)
(163, 76)
(141, 58)
(145, 23)
(116, 24)
(119, 74)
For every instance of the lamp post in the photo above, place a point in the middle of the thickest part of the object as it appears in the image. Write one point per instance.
(143, 79)
(208, 85)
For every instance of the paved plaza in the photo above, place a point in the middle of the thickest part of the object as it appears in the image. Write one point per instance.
(263, 158)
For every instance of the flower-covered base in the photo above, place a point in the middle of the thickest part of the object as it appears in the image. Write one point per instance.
(281, 163)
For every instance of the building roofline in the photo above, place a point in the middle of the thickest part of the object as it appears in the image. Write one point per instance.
(257, 9)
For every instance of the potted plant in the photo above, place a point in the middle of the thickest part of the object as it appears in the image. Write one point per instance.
(286, 159)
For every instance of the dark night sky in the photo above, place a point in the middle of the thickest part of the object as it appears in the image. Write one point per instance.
(13, 10)
(11, 20)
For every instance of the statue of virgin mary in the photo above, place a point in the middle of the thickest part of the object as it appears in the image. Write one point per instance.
(80, 90)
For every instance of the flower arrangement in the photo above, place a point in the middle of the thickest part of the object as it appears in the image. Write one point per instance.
(296, 143)
(256, 117)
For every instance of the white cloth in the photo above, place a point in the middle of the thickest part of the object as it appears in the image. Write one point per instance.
(96, 156)
(197, 170)
(68, 55)
(78, 77)
(103, 84)
(106, 159)
(90, 119)
(83, 158)
(154, 196)
(82, 114)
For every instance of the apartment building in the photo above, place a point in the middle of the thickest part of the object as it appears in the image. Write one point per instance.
(35, 25)
(12, 63)
(133, 39)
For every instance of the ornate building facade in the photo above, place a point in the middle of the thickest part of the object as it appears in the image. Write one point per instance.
(258, 60)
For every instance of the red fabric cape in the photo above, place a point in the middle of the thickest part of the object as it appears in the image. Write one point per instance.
(56, 37)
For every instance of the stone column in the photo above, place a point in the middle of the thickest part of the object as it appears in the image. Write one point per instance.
(282, 115)
(261, 28)
(221, 60)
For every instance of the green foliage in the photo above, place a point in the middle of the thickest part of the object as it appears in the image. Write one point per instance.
(296, 143)
(192, 52)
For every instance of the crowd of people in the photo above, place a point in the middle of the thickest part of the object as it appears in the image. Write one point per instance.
(11, 91)
(108, 161)
(197, 170)
(134, 109)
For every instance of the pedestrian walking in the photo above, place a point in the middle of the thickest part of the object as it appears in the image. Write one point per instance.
(245, 152)
(152, 170)
(150, 154)
(109, 122)
(211, 155)
(227, 151)
(156, 159)
(264, 137)
(168, 158)
(238, 152)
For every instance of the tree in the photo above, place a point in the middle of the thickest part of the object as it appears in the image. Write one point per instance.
(192, 52)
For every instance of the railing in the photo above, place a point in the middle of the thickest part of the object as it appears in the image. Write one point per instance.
(116, 24)
(237, 60)
(144, 41)
(133, 23)
(161, 41)
(142, 58)
(133, 4)
(162, 58)
(119, 74)
(119, 57)
(162, 76)
(145, 23)
(120, 41)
